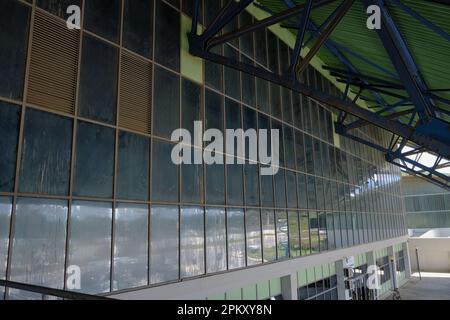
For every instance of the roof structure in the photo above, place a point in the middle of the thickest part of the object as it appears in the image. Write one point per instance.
(399, 71)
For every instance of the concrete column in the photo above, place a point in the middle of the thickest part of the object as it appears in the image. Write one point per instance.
(289, 287)
(393, 266)
(407, 258)
(339, 265)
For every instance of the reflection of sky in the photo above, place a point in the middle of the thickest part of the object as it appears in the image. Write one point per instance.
(427, 159)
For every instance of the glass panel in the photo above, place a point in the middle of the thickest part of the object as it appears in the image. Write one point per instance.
(9, 132)
(282, 235)
(57, 7)
(167, 36)
(192, 242)
(94, 161)
(304, 233)
(98, 80)
(251, 184)
(163, 244)
(232, 76)
(280, 189)
(269, 235)
(248, 85)
(103, 18)
(344, 230)
(330, 232)
(235, 189)
(253, 229)
(46, 154)
(294, 234)
(235, 238)
(291, 181)
(132, 167)
(302, 191)
(138, 26)
(262, 95)
(5, 216)
(214, 71)
(323, 235)
(130, 246)
(164, 173)
(260, 46)
(166, 103)
(15, 18)
(289, 146)
(90, 244)
(39, 244)
(314, 231)
(216, 240)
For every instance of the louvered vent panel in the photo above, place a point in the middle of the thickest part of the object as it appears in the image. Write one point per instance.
(135, 94)
(53, 65)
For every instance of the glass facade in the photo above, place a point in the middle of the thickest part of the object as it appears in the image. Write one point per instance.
(136, 219)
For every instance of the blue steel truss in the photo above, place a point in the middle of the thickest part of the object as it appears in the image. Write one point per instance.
(417, 126)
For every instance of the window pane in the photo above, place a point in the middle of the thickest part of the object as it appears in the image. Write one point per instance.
(164, 173)
(94, 161)
(214, 71)
(253, 229)
(167, 36)
(132, 167)
(248, 85)
(282, 235)
(216, 240)
(90, 244)
(291, 181)
(9, 132)
(232, 76)
(14, 26)
(251, 184)
(323, 235)
(39, 242)
(330, 231)
(314, 231)
(103, 17)
(46, 154)
(280, 189)
(57, 7)
(163, 244)
(5, 216)
(269, 235)
(166, 104)
(138, 26)
(130, 246)
(235, 189)
(192, 242)
(98, 80)
(236, 238)
(294, 234)
(304, 233)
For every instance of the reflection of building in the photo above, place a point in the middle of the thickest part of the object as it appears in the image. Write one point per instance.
(86, 176)
(427, 206)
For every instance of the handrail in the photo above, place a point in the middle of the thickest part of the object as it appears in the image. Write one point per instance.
(51, 291)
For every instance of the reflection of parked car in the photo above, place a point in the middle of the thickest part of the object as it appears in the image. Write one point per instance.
(322, 232)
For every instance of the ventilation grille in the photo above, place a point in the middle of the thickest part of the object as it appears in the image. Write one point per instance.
(53, 65)
(135, 94)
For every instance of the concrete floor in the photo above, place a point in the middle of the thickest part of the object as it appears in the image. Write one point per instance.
(433, 286)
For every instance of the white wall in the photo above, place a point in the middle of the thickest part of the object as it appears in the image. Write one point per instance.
(434, 254)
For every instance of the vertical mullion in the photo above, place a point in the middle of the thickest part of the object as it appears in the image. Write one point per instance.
(116, 149)
(150, 156)
(20, 147)
(74, 140)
